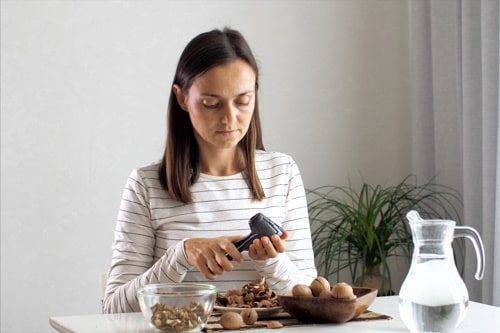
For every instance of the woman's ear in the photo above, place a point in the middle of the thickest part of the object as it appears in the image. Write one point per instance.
(180, 96)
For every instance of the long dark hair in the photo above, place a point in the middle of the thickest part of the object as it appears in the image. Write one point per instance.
(180, 166)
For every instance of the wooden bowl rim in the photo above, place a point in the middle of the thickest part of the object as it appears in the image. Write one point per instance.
(360, 292)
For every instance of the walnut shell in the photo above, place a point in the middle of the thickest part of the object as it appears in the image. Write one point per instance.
(250, 316)
(342, 290)
(274, 324)
(318, 285)
(301, 290)
(251, 295)
(231, 320)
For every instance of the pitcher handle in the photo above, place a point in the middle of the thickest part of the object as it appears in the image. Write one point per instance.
(474, 236)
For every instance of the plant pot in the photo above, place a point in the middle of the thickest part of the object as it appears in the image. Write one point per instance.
(373, 279)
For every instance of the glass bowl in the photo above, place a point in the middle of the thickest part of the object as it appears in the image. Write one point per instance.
(177, 307)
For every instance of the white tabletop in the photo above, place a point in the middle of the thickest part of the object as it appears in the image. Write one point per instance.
(479, 318)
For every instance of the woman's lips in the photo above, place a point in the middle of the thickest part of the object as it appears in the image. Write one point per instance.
(227, 132)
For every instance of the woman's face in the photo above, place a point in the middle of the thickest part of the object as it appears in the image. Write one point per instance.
(220, 104)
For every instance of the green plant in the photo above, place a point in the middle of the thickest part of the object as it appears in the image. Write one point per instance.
(360, 230)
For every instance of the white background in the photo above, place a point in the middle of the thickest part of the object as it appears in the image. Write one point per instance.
(84, 89)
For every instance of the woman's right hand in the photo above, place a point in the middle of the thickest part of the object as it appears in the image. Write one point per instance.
(210, 255)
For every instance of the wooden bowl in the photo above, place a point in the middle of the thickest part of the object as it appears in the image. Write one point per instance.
(333, 310)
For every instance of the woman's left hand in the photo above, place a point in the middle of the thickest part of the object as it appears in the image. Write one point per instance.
(266, 248)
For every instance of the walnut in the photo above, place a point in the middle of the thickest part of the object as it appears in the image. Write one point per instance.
(231, 321)
(250, 316)
(301, 290)
(342, 290)
(318, 285)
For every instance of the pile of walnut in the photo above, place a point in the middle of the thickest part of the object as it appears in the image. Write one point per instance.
(320, 287)
(176, 319)
(255, 294)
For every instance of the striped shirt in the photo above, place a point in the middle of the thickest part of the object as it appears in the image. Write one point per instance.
(151, 229)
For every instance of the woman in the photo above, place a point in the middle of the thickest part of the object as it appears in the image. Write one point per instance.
(179, 217)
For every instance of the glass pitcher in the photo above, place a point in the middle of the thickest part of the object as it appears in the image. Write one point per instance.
(433, 297)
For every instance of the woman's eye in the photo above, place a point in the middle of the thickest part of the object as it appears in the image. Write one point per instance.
(243, 101)
(211, 104)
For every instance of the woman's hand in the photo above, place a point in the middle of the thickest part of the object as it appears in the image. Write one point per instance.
(265, 247)
(209, 255)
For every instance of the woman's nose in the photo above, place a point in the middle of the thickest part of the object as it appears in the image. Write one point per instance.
(229, 115)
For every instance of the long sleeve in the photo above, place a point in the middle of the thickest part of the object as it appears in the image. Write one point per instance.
(133, 262)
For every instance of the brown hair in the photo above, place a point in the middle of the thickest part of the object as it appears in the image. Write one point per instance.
(180, 166)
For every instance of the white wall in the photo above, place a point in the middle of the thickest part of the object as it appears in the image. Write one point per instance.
(84, 88)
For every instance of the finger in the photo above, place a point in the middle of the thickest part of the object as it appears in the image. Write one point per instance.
(233, 239)
(231, 252)
(226, 265)
(269, 247)
(236, 255)
(259, 249)
(279, 243)
(209, 262)
(284, 235)
(207, 273)
(214, 267)
(224, 262)
(252, 252)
